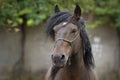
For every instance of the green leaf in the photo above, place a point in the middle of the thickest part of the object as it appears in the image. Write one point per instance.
(24, 11)
(30, 22)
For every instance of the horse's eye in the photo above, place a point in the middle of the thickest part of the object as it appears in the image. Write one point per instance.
(73, 30)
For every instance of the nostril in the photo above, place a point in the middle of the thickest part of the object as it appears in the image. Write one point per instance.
(51, 56)
(62, 57)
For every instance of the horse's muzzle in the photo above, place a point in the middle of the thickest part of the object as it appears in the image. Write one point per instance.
(58, 60)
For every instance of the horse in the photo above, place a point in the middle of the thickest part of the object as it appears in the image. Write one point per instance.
(72, 57)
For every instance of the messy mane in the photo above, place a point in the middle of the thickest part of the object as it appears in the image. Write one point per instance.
(59, 17)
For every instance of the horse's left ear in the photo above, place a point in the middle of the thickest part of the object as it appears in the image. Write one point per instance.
(77, 13)
(57, 9)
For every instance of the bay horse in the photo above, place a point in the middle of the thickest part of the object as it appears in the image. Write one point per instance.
(72, 57)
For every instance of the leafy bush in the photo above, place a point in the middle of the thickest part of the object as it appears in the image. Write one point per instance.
(36, 11)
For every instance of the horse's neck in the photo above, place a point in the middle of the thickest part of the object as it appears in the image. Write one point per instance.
(77, 68)
(77, 62)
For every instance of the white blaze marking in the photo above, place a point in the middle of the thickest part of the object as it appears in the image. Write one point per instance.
(64, 23)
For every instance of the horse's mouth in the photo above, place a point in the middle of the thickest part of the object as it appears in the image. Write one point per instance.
(62, 64)
(58, 65)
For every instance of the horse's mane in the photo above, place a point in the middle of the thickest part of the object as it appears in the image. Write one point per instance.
(56, 19)
(59, 17)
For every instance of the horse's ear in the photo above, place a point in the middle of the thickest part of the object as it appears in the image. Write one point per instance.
(57, 9)
(77, 13)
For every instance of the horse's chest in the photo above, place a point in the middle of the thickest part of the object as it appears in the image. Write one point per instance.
(69, 76)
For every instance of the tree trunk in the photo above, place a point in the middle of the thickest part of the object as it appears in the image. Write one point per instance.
(118, 32)
(18, 68)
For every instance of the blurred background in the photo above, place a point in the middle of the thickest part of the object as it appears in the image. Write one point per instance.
(25, 49)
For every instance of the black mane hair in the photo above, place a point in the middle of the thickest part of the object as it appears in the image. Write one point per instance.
(59, 17)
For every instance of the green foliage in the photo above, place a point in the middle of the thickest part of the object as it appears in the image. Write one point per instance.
(109, 11)
(37, 11)
(95, 24)
(106, 11)
(34, 11)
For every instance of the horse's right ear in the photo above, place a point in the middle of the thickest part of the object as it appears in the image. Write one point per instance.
(57, 9)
